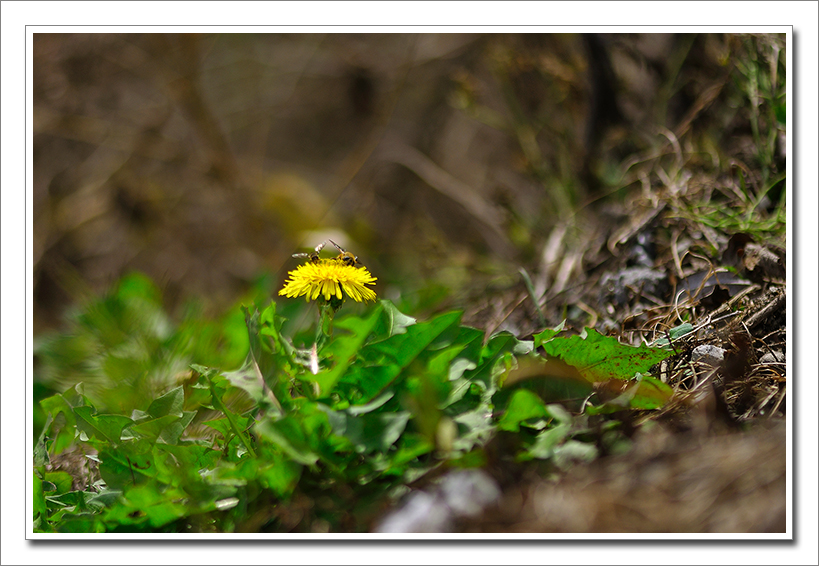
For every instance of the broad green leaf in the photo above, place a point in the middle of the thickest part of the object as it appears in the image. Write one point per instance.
(247, 379)
(369, 432)
(105, 498)
(371, 380)
(171, 403)
(460, 387)
(123, 469)
(392, 320)
(137, 286)
(81, 523)
(651, 393)
(149, 503)
(75, 499)
(487, 371)
(181, 465)
(600, 358)
(271, 325)
(559, 413)
(61, 480)
(205, 371)
(151, 430)
(192, 456)
(281, 477)
(55, 405)
(104, 427)
(470, 343)
(40, 508)
(381, 363)
(402, 349)
(172, 433)
(344, 348)
(522, 406)
(261, 372)
(440, 362)
(289, 437)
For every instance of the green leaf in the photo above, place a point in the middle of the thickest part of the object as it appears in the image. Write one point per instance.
(40, 507)
(172, 433)
(497, 348)
(204, 371)
(248, 379)
(370, 432)
(477, 426)
(151, 503)
(392, 321)
(651, 393)
(402, 349)
(132, 463)
(674, 333)
(281, 477)
(181, 465)
(64, 437)
(223, 424)
(376, 403)
(270, 325)
(104, 427)
(261, 372)
(61, 480)
(137, 286)
(644, 393)
(171, 403)
(40, 448)
(81, 523)
(545, 336)
(600, 358)
(344, 348)
(105, 498)
(548, 440)
(522, 406)
(411, 446)
(151, 430)
(289, 437)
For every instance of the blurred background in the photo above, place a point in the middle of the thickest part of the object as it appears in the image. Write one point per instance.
(444, 161)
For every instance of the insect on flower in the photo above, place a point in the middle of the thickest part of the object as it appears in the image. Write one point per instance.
(347, 258)
(344, 256)
(336, 278)
(312, 256)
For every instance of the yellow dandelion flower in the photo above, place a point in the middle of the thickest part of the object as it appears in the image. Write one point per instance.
(329, 278)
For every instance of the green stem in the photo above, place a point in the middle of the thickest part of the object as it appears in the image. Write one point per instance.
(327, 311)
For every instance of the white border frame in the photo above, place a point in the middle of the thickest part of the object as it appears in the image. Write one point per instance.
(15, 15)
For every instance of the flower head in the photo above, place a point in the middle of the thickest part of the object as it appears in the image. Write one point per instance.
(329, 278)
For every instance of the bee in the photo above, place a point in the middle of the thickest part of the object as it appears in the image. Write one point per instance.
(344, 256)
(312, 256)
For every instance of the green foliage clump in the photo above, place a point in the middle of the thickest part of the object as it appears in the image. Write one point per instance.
(294, 439)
